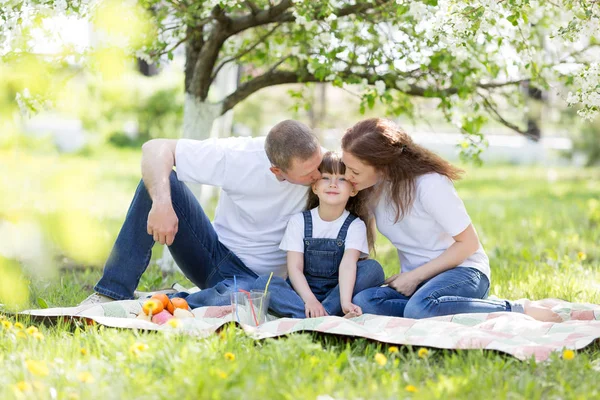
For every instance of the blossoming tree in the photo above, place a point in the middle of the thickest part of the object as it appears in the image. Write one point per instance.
(472, 56)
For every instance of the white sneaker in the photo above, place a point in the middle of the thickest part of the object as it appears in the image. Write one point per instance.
(144, 295)
(95, 298)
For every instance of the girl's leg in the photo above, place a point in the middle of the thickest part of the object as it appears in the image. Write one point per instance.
(369, 274)
(456, 291)
(283, 299)
(381, 301)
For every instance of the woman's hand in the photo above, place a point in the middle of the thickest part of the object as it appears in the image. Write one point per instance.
(314, 309)
(405, 283)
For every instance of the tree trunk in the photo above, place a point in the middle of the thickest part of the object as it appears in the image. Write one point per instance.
(199, 117)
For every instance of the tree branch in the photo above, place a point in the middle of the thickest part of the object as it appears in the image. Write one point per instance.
(496, 115)
(255, 10)
(219, 15)
(262, 17)
(575, 53)
(243, 53)
(275, 77)
(176, 45)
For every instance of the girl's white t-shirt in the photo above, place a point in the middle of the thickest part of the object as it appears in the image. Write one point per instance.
(427, 231)
(356, 238)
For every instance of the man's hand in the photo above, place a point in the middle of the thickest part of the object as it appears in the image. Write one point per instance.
(163, 223)
(405, 283)
(314, 309)
(353, 309)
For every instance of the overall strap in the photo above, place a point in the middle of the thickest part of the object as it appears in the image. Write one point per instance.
(307, 224)
(344, 229)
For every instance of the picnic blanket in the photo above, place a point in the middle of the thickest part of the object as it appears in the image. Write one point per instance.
(512, 333)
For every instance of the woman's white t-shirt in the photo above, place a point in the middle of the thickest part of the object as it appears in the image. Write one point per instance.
(356, 238)
(427, 231)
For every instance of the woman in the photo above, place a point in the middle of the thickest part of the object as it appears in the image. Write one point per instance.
(444, 267)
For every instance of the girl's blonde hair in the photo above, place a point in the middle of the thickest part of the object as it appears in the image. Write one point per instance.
(357, 205)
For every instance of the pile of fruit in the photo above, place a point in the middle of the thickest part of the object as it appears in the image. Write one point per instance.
(160, 309)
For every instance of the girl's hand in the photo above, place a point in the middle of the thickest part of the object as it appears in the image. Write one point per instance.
(405, 283)
(314, 309)
(350, 308)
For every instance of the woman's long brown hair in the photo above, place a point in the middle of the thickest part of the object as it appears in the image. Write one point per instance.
(386, 147)
(357, 205)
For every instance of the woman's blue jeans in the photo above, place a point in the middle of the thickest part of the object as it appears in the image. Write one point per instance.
(457, 291)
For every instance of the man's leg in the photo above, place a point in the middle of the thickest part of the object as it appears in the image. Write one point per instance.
(196, 247)
(283, 299)
(369, 273)
(229, 275)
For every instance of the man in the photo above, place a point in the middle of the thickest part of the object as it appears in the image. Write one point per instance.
(264, 182)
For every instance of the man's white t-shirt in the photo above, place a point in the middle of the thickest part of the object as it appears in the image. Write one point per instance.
(254, 207)
(356, 237)
(427, 231)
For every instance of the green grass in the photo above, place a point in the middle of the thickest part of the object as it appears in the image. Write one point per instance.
(541, 235)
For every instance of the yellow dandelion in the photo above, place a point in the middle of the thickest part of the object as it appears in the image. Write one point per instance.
(222, 374)
(83, 351)
(423, 352)
(21, 335)
(581, 256)
(393, 349)
(85, 377)
(31, 330)
(38, 336)
(138, 347)
(568, 354)
(19, 325)
(173, 323)
(37, 368)
(6, 324)
(380, 359)
(230, 356)
(411, 389)
(23, 386)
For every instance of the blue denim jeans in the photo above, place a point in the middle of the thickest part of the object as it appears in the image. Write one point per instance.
(196, 249)
(456, 291)
(285, 302)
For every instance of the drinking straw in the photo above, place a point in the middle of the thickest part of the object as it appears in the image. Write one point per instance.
(235, 298)
(251, 305)
(264, 296)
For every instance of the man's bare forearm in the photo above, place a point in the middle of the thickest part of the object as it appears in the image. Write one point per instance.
(158, 160)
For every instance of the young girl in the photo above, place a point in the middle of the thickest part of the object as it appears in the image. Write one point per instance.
(324, 245)
(444, 267)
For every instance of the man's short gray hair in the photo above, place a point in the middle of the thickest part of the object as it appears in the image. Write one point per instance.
(290, 139)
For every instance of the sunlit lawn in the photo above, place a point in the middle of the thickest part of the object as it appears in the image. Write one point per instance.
(541, 230)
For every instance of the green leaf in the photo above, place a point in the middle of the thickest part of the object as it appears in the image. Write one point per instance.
(433, 3)
(513, 19)
(42, 303)
(371, 100)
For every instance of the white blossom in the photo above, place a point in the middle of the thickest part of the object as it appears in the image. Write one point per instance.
(380, 87)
